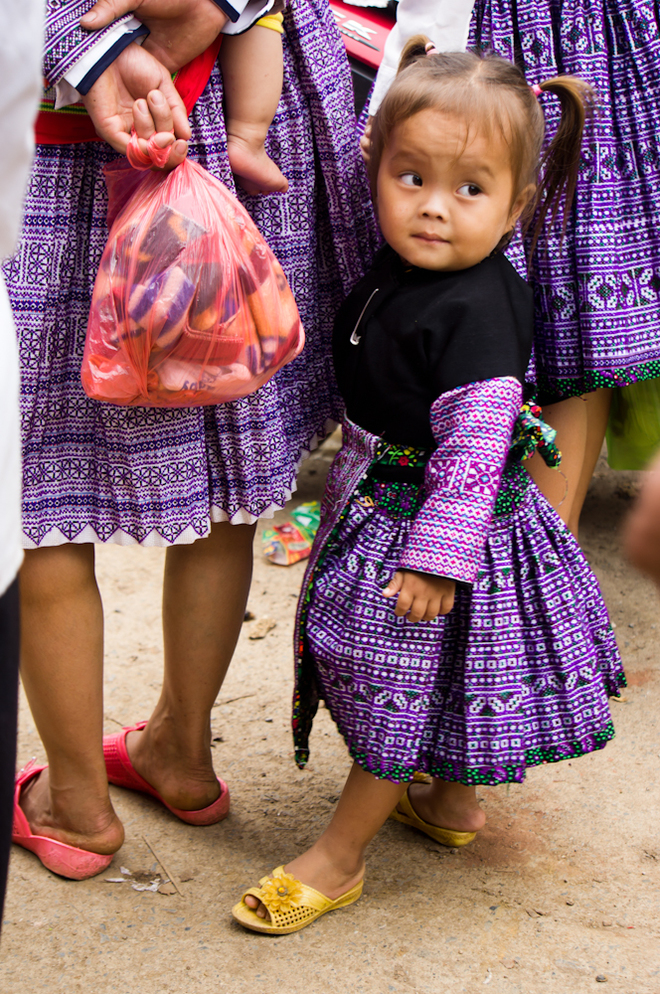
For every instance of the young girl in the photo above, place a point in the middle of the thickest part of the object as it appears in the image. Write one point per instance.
(448, 617)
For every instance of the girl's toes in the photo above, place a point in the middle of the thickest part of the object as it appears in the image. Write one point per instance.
(255, 904)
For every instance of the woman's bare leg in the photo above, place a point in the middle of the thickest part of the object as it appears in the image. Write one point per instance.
(598, 412)
(560, 486)
(580, 423)
(204, 597)
(335, 863)
(62, 672)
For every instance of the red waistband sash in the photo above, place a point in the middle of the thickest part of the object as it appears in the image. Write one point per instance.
(73, 124)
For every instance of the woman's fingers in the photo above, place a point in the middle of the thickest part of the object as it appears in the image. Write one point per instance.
(161, 112)
(152, 117)
(143, 121)
(177, 155)
(104, 12)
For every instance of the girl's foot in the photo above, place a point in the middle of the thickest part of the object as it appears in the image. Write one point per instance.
(75, 817)
(447, 805)
(252, 168)
(319, 870)
(184, 780)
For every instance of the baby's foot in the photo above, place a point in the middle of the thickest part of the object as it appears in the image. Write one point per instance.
(253, 169)
(317, 870)
(447, 805)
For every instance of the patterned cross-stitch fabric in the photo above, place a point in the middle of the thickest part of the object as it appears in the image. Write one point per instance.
(472, 427)
(598, 294)
(95, 472)
(65, 41)
(517, 674)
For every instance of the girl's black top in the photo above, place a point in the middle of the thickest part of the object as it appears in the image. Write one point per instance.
(423, 333)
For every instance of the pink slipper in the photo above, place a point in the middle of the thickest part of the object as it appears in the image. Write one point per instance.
(67, 861)
(122, 774)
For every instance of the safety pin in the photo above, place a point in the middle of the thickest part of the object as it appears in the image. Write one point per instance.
(355, 339)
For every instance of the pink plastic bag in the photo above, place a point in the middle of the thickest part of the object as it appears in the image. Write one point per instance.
(190, 306)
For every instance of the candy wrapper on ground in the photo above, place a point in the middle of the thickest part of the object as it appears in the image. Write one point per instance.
(190, 306)
(286, 544)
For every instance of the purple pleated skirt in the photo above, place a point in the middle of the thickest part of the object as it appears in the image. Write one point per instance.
(95, 472)
(518, 673)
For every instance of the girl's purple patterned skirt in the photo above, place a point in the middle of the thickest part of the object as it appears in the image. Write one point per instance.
(518, 674)
(94, 472)
(598, 294)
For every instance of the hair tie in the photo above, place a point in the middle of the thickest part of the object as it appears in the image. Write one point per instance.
(536, 90)
(431, 49)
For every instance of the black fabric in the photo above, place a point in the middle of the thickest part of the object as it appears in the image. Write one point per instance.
(424, 333)
(227, 9)
(8, 722)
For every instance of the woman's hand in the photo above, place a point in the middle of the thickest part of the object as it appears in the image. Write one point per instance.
(422, 596)
(180, 29)
(117, 101)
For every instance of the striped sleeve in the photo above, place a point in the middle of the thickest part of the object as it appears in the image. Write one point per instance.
(66, 43)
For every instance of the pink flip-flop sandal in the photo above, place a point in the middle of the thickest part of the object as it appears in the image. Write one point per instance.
(67, 861)
(121, 773)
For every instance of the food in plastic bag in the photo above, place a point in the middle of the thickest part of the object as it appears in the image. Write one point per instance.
(633, 430)
(190, 306)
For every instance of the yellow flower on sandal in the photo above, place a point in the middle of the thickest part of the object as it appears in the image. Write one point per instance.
(290, 904)
(281, 892)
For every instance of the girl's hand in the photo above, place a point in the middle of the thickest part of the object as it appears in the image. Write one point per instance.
(422, 596)
(365, 142)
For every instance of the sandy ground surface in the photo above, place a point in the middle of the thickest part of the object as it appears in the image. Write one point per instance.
(558, 894)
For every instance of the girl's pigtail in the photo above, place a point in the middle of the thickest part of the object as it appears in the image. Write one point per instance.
(414, 50)
(561, 162)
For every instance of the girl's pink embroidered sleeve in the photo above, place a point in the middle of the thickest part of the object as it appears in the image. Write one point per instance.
(472, 426)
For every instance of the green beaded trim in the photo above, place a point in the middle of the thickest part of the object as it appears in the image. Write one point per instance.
(513, 487)
(551, 391)
(475, 776)
(399, 498)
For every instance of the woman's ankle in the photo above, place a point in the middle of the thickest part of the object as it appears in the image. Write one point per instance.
(79, 817)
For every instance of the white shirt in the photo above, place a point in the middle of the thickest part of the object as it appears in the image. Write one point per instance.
(21, 41)
(445, 22)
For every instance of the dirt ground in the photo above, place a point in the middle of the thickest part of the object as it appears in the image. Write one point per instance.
(558, 894)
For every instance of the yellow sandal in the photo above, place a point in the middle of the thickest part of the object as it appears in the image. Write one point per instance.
(404, 812)
(291, 904)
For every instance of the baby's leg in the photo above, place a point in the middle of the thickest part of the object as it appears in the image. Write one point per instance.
(335, 863)
(446, 804)
(252, 74)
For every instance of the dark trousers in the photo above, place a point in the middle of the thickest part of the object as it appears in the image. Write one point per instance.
(8, 723)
